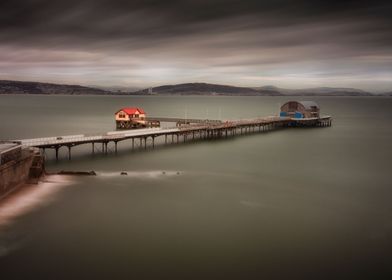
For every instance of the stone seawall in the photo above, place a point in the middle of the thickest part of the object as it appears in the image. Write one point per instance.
(30, 166)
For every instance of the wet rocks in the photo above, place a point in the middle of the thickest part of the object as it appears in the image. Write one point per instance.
(83, 173)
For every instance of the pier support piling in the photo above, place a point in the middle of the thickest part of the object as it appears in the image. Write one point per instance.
(57, 153)
(205, 131)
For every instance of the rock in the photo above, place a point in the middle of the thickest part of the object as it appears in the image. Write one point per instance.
(82, 173)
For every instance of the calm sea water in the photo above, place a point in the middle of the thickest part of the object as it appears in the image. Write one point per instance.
(294, 203)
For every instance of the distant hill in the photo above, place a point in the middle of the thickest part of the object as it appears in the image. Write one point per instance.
(207, 89)
(17, 87)
(117, 89)
(319, 91)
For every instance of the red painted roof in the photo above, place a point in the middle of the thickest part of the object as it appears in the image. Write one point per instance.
(131, 110)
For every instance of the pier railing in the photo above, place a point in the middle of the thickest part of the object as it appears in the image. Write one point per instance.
(202, 129)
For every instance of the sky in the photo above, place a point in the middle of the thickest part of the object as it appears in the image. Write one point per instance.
(143, 43)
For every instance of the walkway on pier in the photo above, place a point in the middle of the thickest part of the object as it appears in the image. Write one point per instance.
(182, 120)
(200, 130)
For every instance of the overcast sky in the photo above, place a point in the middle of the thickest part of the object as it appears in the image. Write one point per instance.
(287, 43)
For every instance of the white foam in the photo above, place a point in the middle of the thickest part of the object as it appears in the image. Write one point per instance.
(252, 204)
(30, 197)
(140, 174)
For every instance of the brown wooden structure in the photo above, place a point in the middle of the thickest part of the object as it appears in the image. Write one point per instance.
(201, 130)
(300, 109)
(133, 117)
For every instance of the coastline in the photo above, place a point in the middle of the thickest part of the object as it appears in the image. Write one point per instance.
(191, 94)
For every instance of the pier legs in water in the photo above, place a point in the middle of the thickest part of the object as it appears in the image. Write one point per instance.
(205, 132)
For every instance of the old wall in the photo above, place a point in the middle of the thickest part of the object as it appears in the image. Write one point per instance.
(17, 172)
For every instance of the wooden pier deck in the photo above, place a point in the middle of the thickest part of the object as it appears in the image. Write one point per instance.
(183, 120)
(198, 129)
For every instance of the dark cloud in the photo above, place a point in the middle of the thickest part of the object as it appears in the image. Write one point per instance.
(74, 22)
(227, 38)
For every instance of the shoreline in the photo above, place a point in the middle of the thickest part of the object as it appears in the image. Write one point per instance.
(190, 94)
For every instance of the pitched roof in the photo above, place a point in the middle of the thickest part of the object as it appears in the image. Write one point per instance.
(131, 110)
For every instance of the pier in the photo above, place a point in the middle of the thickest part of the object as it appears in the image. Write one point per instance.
(182, 121)
(185, 130)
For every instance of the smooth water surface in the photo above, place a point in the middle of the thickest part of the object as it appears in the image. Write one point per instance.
(293, 203)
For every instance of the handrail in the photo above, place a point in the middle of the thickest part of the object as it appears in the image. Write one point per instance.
(126, 134)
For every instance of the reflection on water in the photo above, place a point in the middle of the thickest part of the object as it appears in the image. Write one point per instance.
(295, 203)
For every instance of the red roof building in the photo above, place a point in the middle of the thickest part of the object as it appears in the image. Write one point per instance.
(130, 117)
(132, 111)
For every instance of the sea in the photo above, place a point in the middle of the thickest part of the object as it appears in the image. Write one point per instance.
(295, 203)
